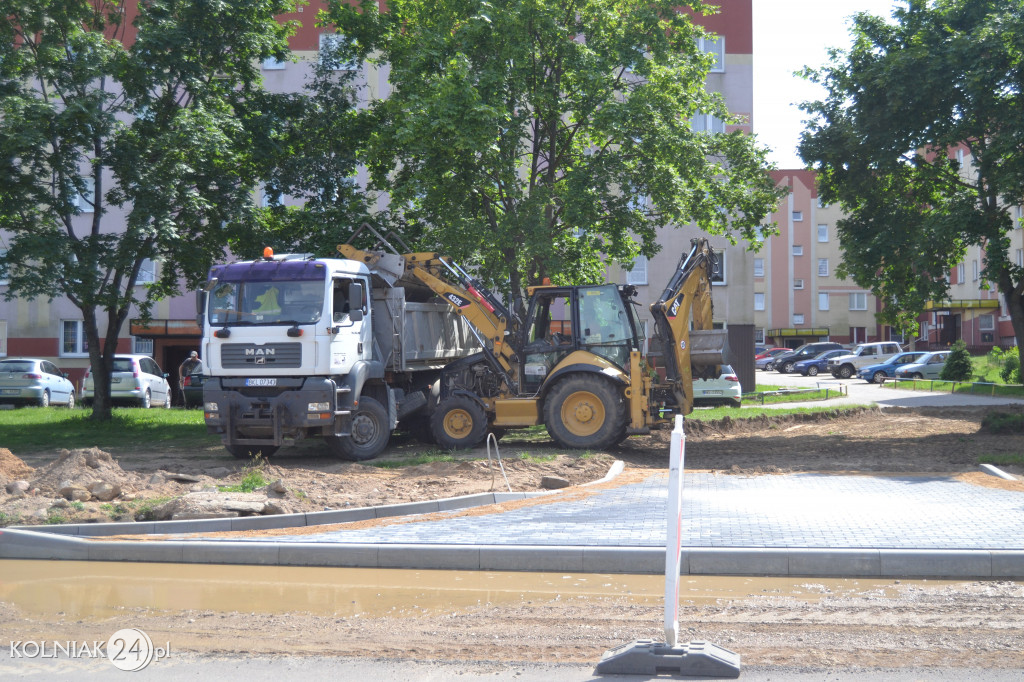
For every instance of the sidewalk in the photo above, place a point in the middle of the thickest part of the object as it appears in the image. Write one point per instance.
(797, 524)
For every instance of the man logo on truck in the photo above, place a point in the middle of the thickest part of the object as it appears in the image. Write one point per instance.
(259, 351)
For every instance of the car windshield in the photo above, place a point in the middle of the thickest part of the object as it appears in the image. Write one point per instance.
(290, 292)
(16, 366)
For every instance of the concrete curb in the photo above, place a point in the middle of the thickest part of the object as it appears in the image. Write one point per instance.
(795, 561)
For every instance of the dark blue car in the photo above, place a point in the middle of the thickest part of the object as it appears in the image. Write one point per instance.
(876, 374)
(817, 363)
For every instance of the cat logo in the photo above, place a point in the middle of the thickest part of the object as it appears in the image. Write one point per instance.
(457, 301)
(674, 309)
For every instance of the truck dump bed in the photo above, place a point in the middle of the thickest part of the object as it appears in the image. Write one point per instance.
(413, 336)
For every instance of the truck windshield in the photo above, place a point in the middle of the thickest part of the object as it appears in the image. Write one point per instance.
(267, 293)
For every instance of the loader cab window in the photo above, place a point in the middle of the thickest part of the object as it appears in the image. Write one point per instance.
(549, 334)
(606, 328)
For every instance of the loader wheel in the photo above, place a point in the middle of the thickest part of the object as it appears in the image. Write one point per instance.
(370, 433)
(458, 423)
(585, 412)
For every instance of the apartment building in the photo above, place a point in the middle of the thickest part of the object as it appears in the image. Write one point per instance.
(799, 299)
(53, 329)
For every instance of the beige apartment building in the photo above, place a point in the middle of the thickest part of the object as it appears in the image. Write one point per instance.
(799, 299)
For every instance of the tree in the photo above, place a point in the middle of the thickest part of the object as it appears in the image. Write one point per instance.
(117, 148)
(541, 139)
(943, 75)
(958, 365)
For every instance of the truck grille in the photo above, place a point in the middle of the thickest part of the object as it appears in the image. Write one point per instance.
(243, 355)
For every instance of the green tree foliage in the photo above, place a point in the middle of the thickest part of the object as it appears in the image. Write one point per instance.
(545, 138)
(156, 135)
(958, 365)
(941, 76)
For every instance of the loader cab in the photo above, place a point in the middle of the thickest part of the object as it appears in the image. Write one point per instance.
(560, 320)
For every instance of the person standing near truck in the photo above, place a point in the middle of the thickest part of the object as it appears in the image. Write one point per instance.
(191, 365)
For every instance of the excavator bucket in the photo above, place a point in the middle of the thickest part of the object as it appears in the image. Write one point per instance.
(708, 347)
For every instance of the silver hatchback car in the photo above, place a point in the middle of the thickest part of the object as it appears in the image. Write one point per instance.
(31, 381)
(136, 379)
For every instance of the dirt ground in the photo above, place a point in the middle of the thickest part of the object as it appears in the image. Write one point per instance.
(973, 624)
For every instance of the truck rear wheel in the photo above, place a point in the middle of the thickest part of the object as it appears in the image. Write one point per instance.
(370, 433)
(251, 451)
(585, 412)
(458, 422)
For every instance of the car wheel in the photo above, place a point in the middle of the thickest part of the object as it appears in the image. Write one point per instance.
(769, 366)
(917, 375)
(71, 400)
(147, 400)
(879, 377)
(812, 370)
(845, 372)
(44, 400)
(786, 368)
(167, 401)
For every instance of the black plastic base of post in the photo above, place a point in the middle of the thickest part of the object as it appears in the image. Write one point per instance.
(647, 657)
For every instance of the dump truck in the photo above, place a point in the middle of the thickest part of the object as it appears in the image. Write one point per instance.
(300, 347)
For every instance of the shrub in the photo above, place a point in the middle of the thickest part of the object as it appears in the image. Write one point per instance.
(958, 365)
(1010, 372)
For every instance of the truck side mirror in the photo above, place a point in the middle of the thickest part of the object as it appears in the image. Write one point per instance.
(355, 301)
(201, 297)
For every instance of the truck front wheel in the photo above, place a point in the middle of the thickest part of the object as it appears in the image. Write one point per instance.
(585, 412)
(369, 436)
(458, 423)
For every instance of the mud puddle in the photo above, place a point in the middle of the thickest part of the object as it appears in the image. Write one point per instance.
(98, 590)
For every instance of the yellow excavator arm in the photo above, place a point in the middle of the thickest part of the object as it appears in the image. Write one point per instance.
(686, 300)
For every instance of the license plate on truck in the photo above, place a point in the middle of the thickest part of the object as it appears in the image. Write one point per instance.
(261, 382)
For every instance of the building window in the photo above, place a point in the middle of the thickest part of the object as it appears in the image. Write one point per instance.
(987, 323)
(759, 267)
(822, 233)
(718, 276)
(4, 280)
(974, 270)
(83, 201)
(142, 346)
(3, 338)
(1020, 217)
(330, 45)
(273, 64)
(1020, 258)
(960, 276)
(638, 273)
(73, 343)
(714, 46)
(759, 335)
(798, 319)
(823, 267)
(758, 301)
(858, 300)
(822, 301)
(798, 216)
(706, 123)
(147, 272)
(798, 284)
(798, 249)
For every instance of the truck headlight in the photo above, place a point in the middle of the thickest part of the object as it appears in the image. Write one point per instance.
(210, 407)
(318, 407)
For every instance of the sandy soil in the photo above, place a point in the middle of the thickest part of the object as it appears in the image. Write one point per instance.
(974, 624)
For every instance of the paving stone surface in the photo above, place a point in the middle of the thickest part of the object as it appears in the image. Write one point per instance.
(721, 511)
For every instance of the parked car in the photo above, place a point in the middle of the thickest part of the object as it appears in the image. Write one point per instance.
(816, 364)
(726, 388)
(766, 360)
(846, 365)
(192, 389)
(136, 379)
(785, 363)
(928, 366)
(31, 381)
(877, 373)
